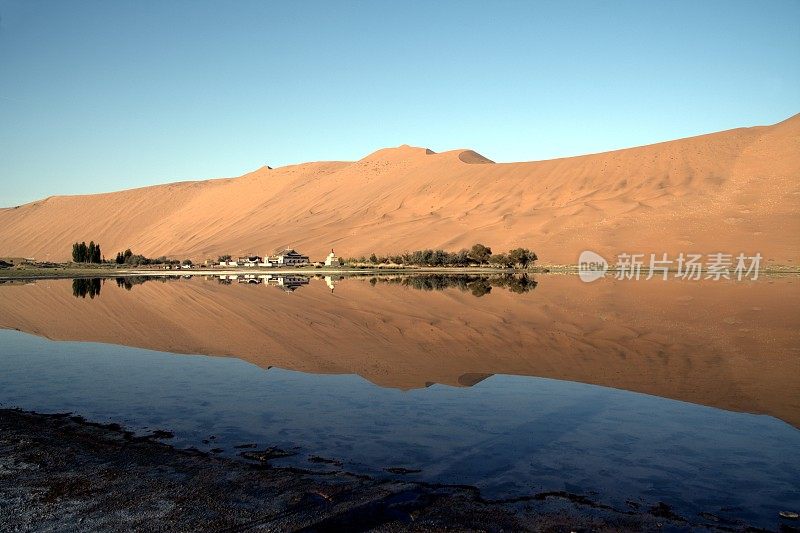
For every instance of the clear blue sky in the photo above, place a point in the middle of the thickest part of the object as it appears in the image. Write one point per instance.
(104, 95)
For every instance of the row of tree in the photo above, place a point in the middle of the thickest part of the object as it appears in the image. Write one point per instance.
(129, 258)
(477, 255)
(83, 253)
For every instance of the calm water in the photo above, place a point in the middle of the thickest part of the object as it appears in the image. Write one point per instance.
(624, 392)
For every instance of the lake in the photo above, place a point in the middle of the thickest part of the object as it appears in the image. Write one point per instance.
(627, 392)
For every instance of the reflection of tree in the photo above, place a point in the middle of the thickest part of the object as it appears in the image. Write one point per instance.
(479, 288)
(128, 282)
(519, 284)
(475, 284)
(83, 286)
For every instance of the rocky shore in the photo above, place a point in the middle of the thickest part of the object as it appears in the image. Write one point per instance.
(60, 472)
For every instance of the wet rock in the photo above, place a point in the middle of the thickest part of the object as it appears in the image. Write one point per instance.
(709, 516)
(267, 455)
(323, 460)
(402, 471)
(662, 510)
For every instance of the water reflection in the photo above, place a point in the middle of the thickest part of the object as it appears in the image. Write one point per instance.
(508, 436)
(86, 286)
(461, 391)
(730, 345)
(128, 282)
(286, 283)
(477, 285)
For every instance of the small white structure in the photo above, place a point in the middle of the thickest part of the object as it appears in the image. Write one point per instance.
(250, 260)
(331, 260)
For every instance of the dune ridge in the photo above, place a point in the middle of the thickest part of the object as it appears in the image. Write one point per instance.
(736, 190)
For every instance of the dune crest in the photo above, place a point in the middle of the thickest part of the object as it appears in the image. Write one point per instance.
(732, 191)
(399, 153)
(473, 158)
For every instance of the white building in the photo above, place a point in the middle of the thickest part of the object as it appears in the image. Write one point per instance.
(250, 260)
(331, 260)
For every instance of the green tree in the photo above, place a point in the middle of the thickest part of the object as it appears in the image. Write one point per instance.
(480, 253)
(500, 260)
(80, 252)
(522, 257)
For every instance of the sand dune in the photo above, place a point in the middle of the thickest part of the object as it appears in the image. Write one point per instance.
(732, 191)
(723, 344)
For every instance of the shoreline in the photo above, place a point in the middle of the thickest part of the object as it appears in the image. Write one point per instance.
(66, 272)
(59, 470)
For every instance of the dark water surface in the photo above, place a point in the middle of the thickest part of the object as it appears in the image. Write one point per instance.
(625, 393)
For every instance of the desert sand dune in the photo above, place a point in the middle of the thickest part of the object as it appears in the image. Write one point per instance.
(724, 344)
(732, 191)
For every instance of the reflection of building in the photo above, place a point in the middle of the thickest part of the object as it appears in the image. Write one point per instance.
(331, 260)
(287, 283)
(329, 282)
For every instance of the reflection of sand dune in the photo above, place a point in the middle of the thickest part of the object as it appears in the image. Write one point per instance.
(732, 191)
(729, 345)
(470, 379)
